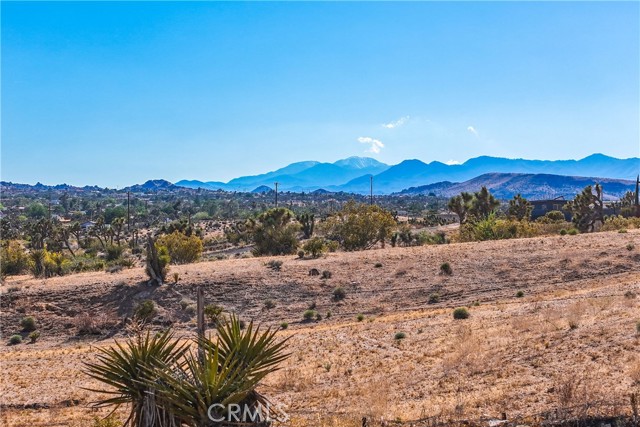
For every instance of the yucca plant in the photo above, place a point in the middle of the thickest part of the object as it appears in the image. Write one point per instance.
(130, 369)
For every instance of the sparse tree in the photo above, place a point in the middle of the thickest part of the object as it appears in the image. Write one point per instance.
(483, 204)
(274, 232)
(307, 221)
(587, 208)
(460, 205)
(519, 208)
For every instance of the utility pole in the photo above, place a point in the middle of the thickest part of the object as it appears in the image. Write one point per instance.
(371, 190)
(128, 211)
(276, 194)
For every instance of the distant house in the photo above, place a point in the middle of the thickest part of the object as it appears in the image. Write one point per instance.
(542, 207)
(87, 225)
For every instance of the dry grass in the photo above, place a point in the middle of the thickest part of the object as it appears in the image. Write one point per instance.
(521, 356)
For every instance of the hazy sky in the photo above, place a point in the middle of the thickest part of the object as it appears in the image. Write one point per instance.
(117, 93)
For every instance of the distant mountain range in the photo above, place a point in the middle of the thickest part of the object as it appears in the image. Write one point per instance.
(353, 174)
(530, 186)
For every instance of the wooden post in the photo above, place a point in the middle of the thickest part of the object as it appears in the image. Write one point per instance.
(200, 318)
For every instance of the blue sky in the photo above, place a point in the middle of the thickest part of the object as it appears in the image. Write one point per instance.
(117, 93)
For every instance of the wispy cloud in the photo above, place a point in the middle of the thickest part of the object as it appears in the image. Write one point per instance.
(453, 162)
(397, 123)
(374, 145)
(473, 130)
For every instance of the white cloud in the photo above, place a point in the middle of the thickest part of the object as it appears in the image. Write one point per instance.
(453, 162)
(375, 145)
(397, 123)
(473, 130)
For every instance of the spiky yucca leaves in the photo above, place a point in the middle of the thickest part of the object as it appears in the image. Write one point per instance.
(205, 381)
(224, 373)
(130, 369)
(254, 349)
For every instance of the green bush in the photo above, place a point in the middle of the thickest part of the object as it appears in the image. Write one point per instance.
(519, 294)
(13, 259)
(145, 311)
(28, 323)
(275, 265)
(339, 294)
(114, 252)
(315, 246)
(33, 336)
(378, 265)
(460, 313)
(214, 312)
(182, 249)
(269, 304)
(309, 315)
(110, 421)
(359, 226)
(301, 254)
(326, 274)
(572, 232)
(563, 232)
(360, 317)
(274, 232)
(630, 246)
(284, 325)
(15, 339)
(400, 336)
(445, 268)
(434, 298)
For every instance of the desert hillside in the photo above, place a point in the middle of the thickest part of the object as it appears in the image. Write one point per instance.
(553, 327)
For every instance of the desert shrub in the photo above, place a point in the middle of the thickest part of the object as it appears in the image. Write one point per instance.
(630, 246)
(563, 232)
(114, 269)
(13, 259)
(83, 263)
(312, 306)
(360, 317)
(318, 317)
(378, 265)
(315, 246)
(434, 298)
(572, 232)
(359, 226)
(326, 274)
(519, 294)
(113, 252)
(426, 238)
(314, 272)
(15, 339)
(182, 249)
(494, 228)
(89, 324)
(328, 316)
(274, 232)
(47, 264)
(284, 325)
(552, 216)
(300, 254)
(445, 268)
(460, 313)
(145, 311)
(275, 265)
(620, 223)
(176, 277)
(339, 294)
(214, 313)
(309, 315)
(399, 336)
(28, 323)
(33, 336)
(332, 245)
(269, 304)
(622, 231)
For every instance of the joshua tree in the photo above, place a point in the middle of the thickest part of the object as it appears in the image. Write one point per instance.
(587, 208)
(157, 261)
(483, 204)
(519, 208)
(307, 221)
(460, 205)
